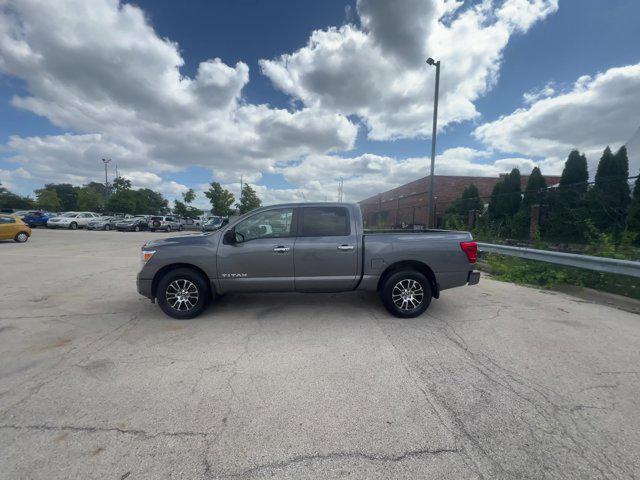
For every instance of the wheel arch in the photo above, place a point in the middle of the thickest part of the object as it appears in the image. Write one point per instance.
(411, 265)
(167, 268)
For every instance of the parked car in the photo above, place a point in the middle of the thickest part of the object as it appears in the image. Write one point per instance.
(214, 223)
(310, 247)
(13, 228)
(103, 223)
(190, 222)
(72, 220)
(38, 218)
(134, 224)
(167, 223)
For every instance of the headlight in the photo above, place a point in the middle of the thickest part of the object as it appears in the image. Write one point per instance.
(146, 255)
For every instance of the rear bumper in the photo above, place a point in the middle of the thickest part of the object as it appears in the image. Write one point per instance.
(473, 278)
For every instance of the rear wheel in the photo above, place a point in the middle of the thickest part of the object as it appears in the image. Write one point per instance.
(180, 228)
(168, 228)
(21, 237)
(183, 293)
(137, 228)
(406, 294)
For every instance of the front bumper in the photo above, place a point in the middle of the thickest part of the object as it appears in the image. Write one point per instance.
(473, 278)
(144, 287)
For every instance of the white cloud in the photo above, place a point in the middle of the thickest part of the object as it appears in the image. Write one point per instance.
(598, 111)
(100, 71)
(378, 71)
(365, 175)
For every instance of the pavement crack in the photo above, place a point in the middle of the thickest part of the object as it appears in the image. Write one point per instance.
(87, 429)
(354, 455)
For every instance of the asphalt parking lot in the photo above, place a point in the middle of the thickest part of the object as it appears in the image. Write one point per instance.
(495, 381)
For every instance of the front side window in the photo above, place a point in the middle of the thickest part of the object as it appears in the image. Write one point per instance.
(324, 222)
(269, 224)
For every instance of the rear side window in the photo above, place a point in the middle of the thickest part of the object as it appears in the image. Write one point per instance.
(324, 222)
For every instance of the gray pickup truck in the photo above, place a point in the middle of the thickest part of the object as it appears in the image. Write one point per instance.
(308, 247)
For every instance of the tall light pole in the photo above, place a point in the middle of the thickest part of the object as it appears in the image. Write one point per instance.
(106, 179)
(431, 212)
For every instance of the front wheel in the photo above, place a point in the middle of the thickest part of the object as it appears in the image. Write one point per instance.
(21, 237)
(73, 226)
(168, 228)
(183, 293)
(137, 228)
(406, 294)
(107, 227)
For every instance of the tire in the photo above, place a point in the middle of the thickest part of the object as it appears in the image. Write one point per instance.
(400, 293)
(107, 227)
(152, 229)
(168, 228)
(137, 228)
(180, 228)
(73, 226)
(21, 237)
(181, 278)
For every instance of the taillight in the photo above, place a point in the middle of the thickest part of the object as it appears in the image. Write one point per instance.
(471, 249)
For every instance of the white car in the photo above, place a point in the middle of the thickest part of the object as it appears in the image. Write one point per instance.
(72, 220)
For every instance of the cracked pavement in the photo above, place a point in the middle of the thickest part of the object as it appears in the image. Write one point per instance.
(495, 381)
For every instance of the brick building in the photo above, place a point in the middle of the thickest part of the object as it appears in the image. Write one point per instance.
(408, 203)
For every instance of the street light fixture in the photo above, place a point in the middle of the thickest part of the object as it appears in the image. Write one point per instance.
(431, 212)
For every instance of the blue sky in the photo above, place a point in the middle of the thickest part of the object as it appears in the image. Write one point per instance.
(310, 132)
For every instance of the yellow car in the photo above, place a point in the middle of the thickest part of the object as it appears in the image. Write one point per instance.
(13, 228)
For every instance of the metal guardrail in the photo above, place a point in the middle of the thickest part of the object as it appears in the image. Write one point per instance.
(588, 262)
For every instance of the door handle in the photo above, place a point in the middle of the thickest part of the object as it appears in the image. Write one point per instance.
(281, 249)
(345, 247)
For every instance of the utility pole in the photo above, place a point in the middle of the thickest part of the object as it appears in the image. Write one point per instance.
(106, 178)
(431, 212)
(340, 187)
(240, 190)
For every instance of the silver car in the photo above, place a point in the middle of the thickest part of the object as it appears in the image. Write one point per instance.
(167, 223)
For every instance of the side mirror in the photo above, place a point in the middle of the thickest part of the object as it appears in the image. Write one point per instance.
(230, 237)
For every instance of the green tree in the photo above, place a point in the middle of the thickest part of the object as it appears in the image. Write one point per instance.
(149, 202)
(67, 193)
(249, 200)
(567, 217)
(505, 197)
(610, 197)
(11, 200)
(457, 215)
(121, 183)
(535, 189)
(189, 196)
(123, 201)
(221, 199)
(100, 188)
(90, 200)
(48, 200)
(633, 220)
(533, 194)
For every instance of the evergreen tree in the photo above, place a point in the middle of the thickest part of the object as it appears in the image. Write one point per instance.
(513, 186)
(609, 198)
(633, 220)
(535, 189)
(249, 200)
(575, 175)
(533, 194)
(221, 199)
(496, 210)
(469, 200)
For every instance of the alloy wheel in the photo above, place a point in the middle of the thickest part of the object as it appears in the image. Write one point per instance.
(182, 295)
(407, 294)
